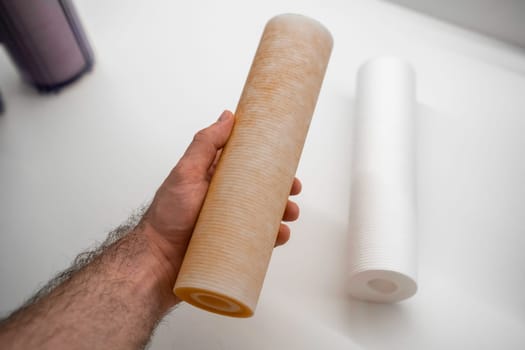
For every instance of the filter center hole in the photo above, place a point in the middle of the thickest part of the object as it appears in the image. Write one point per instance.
(214, 302)
(382, 286)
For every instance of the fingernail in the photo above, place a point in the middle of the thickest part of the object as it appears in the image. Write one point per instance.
(224, 116)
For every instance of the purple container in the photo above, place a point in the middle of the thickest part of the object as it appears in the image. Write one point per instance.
(46, 41)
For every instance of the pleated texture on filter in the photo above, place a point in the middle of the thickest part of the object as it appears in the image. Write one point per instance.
(382, 218)
(229, 252)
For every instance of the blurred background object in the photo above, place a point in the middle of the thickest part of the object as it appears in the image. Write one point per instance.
(501, 19)
(46, 41)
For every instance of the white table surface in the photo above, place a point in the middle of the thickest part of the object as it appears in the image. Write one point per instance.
(74, 165)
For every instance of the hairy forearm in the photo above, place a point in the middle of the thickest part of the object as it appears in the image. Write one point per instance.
(113, 302)
(113, 298)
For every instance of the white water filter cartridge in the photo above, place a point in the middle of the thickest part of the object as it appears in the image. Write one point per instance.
(383, 214)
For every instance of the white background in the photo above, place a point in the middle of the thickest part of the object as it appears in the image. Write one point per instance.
(74, 165)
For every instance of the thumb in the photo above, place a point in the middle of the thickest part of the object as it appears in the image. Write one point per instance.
(206, 143)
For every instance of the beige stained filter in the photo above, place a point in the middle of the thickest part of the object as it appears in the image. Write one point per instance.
(229, 252)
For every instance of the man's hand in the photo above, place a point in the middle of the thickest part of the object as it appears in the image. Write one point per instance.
(113, 298)
(170, 219)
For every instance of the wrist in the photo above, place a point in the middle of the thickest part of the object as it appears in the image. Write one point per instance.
(139, 261)
(163, 261)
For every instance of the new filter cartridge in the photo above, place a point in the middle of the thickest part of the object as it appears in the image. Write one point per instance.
(382, 223)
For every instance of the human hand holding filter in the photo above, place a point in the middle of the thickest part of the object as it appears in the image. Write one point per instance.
(113, 297)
